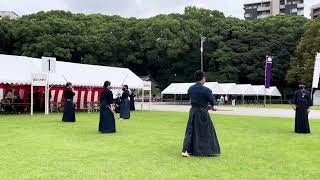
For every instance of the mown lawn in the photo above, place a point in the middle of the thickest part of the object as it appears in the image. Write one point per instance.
(148, 147)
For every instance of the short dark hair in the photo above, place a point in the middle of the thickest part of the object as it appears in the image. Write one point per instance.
(106, 84)
(68, 84)
(198, 75)
(126, 86)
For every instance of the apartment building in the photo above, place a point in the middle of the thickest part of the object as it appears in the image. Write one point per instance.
(266, 8)
(8, 14)
(315, 11)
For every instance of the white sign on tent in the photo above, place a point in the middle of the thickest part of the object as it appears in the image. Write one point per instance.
(39, 79)
(147, 85)
(316, 72)
(49, 64)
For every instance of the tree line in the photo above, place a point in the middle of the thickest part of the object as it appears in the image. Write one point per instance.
(167, 47)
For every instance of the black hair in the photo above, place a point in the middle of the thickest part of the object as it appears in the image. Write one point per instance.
(198, 75)
(68, 84)
(126, 86)
(106, 84)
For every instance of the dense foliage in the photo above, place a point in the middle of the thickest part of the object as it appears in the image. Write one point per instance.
(302, 63)
(167, 46)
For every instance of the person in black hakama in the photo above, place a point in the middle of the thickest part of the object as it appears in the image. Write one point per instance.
(303, 102)
(118, 103)
(132, 106)
(125, 104)
(107, 122)
(69, 108)
(200, 136)
(37, 100)
(18, 101)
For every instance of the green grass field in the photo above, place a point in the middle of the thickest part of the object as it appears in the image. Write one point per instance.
(148, 147)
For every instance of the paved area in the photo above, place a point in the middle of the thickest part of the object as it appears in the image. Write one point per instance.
(265, 112)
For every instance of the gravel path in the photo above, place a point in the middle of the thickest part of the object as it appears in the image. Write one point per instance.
(244, 111)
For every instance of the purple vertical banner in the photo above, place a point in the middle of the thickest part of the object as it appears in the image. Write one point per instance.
(268, 71)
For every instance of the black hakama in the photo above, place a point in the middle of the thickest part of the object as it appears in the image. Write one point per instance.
(132, 105)
(117, 105)
(68, 111)
(200, 137)
(69, 107)
(302, 120)
(125, 109)
(302, 100)
(107, 122)
(125, 105)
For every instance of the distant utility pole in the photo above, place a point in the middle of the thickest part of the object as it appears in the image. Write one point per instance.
(203, 39)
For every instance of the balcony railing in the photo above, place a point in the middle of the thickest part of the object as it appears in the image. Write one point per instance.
(260, 8)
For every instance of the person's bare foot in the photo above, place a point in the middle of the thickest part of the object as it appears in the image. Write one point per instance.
(185, 154)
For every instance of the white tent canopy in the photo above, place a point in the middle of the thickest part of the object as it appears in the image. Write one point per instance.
(214, 87)
(18, 70)
(182, 88)
(260, 90)
(177, 88)
(273, 91)
(225, 89)
(230, 88)
(247, 90)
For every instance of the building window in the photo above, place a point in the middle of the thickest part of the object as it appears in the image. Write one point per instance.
(293, 10)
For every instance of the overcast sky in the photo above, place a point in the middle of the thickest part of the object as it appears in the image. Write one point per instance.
(129, 8)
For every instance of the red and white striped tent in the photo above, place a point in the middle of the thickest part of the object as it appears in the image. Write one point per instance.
(87, 80)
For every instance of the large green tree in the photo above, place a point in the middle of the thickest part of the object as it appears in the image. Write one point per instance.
(165, 46)
(302, 63)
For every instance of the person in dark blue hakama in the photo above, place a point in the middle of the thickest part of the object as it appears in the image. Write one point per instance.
(69, 108)
(132, 100)
(200, 136)
(303, 102)
(125, 103)
(117, 103)
(107, 122)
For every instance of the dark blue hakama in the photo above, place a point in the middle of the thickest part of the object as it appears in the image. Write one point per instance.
(107, 122)
(69, 111)
(125, 105)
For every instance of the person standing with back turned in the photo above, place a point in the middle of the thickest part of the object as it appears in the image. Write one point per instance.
(107, 122)
(69, 109)
(200, 137)
(125, 104)
(303, 102)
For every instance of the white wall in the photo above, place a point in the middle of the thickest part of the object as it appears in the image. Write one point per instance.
(316, 98)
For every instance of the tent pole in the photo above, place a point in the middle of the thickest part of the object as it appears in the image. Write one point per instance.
(46, 97)
(31, 100)
(150, 97)
(242, 98)
(270, 99)
(265, 96)
(142, 102)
